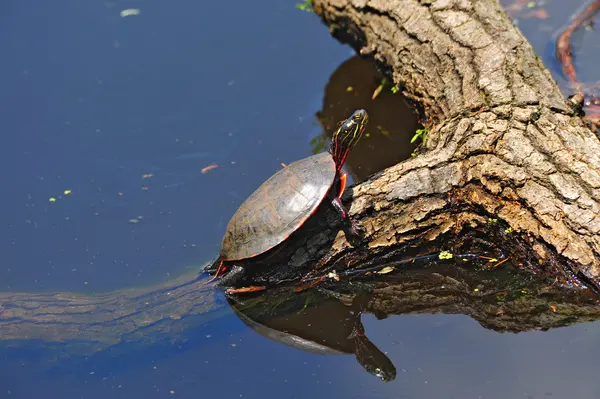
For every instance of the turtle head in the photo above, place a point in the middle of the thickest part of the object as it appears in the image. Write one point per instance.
(347, 135)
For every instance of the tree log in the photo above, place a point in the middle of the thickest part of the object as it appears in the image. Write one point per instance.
(503, 143)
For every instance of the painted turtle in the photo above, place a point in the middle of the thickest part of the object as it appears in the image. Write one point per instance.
(285, 201)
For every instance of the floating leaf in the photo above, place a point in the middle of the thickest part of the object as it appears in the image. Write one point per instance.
(209, 168)
(349, 88)
(306, 6)
(67, 192)
(445, 255)
(52, 199)
(383, 131)
(376, 92)
(386, 270)
(129, 12)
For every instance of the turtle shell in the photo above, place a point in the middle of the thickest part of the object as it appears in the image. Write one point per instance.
(278, 207)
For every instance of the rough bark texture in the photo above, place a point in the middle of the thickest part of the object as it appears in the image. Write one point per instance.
(503, 142)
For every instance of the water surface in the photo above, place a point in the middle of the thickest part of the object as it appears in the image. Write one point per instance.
(125, 112)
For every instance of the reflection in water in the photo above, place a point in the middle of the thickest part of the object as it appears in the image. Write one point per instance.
(126, 324)
(391, 122)
(313, 322)
(327, 319)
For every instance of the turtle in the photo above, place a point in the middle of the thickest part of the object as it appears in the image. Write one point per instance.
(283, 203)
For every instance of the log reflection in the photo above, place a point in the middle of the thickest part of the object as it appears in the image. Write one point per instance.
(326, 319)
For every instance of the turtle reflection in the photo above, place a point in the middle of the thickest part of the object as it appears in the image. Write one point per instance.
(314, 322)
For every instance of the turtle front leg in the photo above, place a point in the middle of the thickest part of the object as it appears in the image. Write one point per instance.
(343, 212)
(353, 232)
(232, 277)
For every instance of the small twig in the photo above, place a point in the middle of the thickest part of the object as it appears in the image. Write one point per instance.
(564, 55)
(501, 262)
(563, 42)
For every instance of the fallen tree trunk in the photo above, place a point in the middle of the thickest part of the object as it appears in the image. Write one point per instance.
(503, 143)
(507, 166)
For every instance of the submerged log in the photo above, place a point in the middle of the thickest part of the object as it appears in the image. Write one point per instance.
(70, 325)
(502, 144)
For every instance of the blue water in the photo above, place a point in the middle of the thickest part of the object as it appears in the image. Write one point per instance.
(91, 102)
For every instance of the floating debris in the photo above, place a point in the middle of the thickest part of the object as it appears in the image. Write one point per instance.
(386, 270)
(377, 91)
(147, 176)
(129, 12)
(305, 6)
(209, 168)
(501, 262)
(333, 275)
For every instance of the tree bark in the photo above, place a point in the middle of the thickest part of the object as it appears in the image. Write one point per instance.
(503, 143)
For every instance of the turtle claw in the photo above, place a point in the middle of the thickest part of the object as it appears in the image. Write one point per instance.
(357, 231)
(354, 234)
